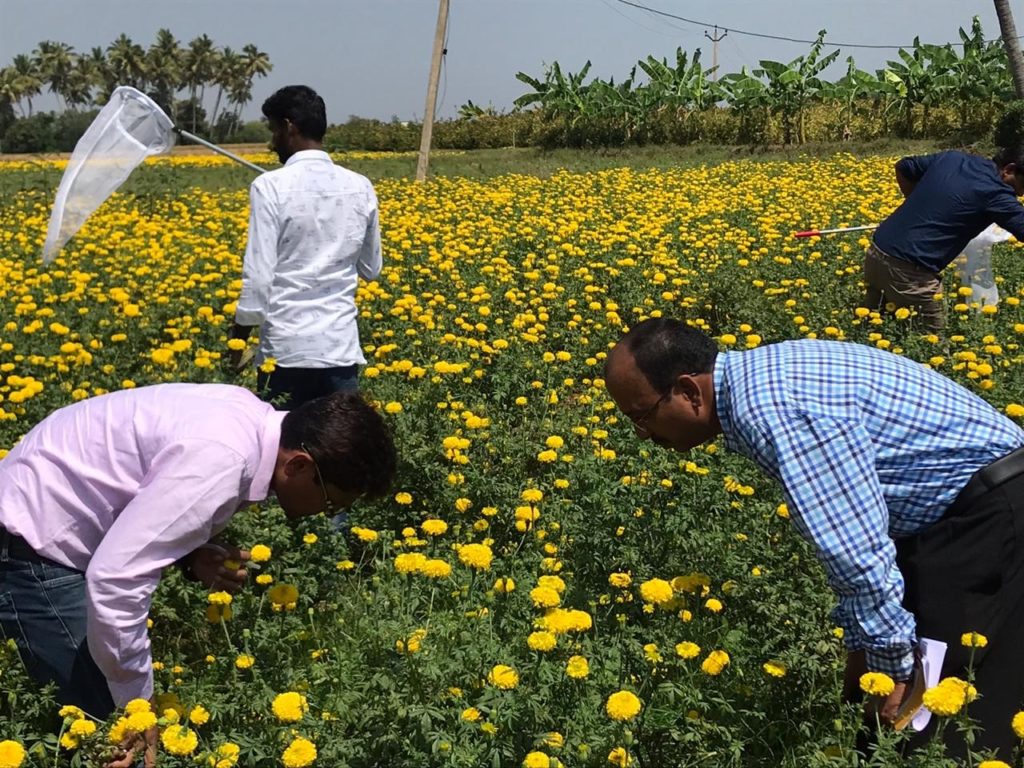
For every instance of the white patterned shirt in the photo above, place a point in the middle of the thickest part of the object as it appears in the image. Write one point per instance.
(313, 232)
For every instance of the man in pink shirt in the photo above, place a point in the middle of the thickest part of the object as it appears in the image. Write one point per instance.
(103, 495)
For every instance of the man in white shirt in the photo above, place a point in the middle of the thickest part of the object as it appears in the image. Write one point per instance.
(313, 232)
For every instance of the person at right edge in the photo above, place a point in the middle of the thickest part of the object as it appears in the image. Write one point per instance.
(951, 197)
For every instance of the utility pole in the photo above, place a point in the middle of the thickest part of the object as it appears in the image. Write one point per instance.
(1012, 45)
(435, 75)
(714, 49)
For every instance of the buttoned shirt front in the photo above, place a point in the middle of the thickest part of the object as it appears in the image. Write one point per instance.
(313, 232)
(868, 446)
(123, 485)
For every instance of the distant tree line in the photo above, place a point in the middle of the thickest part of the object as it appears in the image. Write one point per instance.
(182, 78)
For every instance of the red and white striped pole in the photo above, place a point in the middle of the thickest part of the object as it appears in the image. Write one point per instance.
(819, 232)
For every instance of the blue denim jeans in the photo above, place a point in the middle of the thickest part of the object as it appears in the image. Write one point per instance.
(288, 388)
(43, 609)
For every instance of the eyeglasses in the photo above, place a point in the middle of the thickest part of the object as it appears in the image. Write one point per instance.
(640, 424)
(329, 506)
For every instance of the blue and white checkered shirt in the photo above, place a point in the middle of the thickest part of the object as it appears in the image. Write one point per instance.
(869, 447)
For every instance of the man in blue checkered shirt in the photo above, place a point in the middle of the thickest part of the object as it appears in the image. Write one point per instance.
(908, 485)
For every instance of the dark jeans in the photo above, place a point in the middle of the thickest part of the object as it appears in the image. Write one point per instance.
(42, 608)
(963, 574)
(288, 388)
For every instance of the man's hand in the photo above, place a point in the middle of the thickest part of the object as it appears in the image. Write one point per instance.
(125, 755)
(888, 708)
(219, 567)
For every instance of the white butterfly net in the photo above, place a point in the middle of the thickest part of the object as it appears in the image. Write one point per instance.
(130, 128)
(975, 265)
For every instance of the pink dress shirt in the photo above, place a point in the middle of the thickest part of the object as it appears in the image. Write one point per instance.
(123, 485)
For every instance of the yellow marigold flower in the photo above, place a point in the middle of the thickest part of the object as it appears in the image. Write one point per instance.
(973, 640)
(774, 668)
(554, 740)
(1015, 410)
(179, 740)
(365, 534)
(554, 582)
(463, 504)
(622, 706)
(503, 676)
(555, 442)
(410, 562)
(436, 569)
(12, 754)
(1018, 725)
(532, 495)
(299, 754)
(70, 710)
(545, 597)
(687, 650)
(993, 763)
(199, 715)
(945, 699)
(393, 407)
(548, 456)
(218, 598)
(141, 721)
(715, 662)
(541, 641)
(620, 758)
(536, 760)
(236, 344)
(225, 756)
(714, 605)
(403, 498)
(620, 580)
(434, 527)
(289, 707)
(82, 727)
(260, 553)
(345, 565)
(782, 511)
(68, 741)
(283, 595)
(656, 591)
(269, 365)
(476, 556)
(504, 585)
(137, 705)
(471, 714)
(577, 667)
(244, 661)
(877, 684)
(264, 578)
(310, 539)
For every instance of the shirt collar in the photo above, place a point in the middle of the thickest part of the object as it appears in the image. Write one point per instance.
(720, 377)
(270, 442)
(308, 154)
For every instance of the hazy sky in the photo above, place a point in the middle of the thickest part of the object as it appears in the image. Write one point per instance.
(371, 57)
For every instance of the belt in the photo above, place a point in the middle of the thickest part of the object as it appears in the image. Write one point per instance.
(989, 478)
(19, 549)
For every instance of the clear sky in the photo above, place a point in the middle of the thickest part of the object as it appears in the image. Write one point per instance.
(371, 57)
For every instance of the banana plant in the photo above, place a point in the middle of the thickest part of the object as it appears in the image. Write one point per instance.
(687, 85)
(855, 87)
(790, 87)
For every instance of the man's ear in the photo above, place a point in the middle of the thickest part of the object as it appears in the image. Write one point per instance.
(688, 385)
(296, 464)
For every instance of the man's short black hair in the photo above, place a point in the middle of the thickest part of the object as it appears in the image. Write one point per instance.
(664, 349)
(347, 438)
(302, 106)
(1011, 154)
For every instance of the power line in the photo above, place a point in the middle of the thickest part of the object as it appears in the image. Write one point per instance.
(766, 36)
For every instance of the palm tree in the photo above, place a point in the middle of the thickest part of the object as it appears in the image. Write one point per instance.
(55, 61)
(30, 83)
(199, 66)
(96, 69)
(10, 88)
(127, 61)
(165, 67)
(229, 71)
(1009, 33)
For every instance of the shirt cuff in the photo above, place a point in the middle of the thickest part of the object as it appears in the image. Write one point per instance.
(897, 663)
(140, 687)
(249, 317)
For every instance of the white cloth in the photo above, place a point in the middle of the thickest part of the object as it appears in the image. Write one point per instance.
(313, 232)
(975, 265)
(121, 486)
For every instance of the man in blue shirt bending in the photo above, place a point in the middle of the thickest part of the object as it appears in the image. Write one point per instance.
(950, 198)
(909, 487)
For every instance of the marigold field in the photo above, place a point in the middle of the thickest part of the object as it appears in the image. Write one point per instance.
(542, 588)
